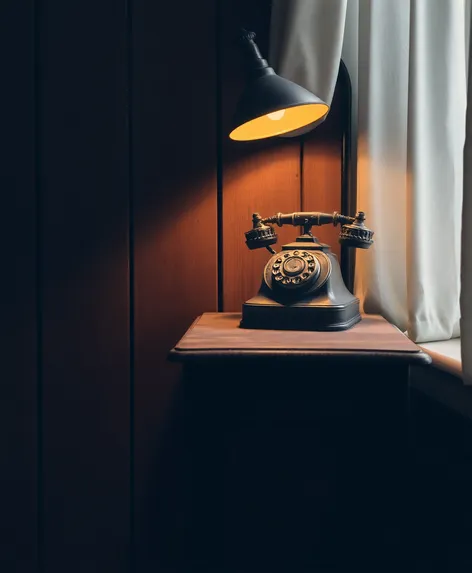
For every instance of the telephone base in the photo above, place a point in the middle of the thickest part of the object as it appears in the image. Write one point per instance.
(261, 312)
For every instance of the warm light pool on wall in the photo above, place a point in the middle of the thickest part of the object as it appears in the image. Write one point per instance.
(271, 105)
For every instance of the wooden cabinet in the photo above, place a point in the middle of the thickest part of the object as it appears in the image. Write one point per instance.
(296, 447)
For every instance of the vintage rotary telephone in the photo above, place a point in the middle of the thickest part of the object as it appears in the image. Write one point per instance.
(302, 287)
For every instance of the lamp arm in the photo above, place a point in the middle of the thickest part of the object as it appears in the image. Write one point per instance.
(254, 60)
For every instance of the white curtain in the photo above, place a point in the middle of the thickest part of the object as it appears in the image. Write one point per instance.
(407, 61)
(302, 56)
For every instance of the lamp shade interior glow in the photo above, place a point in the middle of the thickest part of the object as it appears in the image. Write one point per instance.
(276, 115)
(279, 122)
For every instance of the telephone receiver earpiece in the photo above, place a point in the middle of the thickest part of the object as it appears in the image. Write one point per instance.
(261, 235)
(356, 234)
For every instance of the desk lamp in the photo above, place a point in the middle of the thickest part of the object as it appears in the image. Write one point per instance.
(271, 105)
(302, 287)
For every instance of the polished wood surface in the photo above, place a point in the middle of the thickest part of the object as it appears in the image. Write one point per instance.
(267, 183)
(219, 334)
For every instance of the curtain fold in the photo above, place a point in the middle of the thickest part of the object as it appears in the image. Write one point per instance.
(437, 100)
(407, 59)
(306, 42)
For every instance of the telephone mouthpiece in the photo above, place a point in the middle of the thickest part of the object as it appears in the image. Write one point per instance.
(356, 234)
(260, 237)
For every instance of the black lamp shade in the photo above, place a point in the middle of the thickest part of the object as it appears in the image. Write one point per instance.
(291, 107)
(271, 105)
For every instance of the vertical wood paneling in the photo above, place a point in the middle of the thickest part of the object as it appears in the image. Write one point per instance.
(84, 277)
(175, 220)
(322, 165)
(257, 176)
(110, 234)
(18, 465)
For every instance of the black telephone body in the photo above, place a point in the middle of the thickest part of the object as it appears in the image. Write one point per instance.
(302, 286)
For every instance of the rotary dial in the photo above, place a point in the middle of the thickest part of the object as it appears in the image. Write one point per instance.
(294, 269)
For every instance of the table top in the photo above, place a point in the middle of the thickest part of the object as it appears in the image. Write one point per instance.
(218, 335)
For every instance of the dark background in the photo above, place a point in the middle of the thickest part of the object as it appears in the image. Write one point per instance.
(123, 211)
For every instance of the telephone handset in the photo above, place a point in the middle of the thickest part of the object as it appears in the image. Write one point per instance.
(302, 286)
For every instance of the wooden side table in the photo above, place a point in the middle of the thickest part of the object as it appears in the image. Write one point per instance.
(297, 449)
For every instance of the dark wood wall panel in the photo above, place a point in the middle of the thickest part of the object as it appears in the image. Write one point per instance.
(257, 176)
(125, 206)
(84, 281)
(175, 241)
(268, 183)
(18, 438)
(322, 164)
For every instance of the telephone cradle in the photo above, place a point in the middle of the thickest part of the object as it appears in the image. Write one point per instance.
(302, 287)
